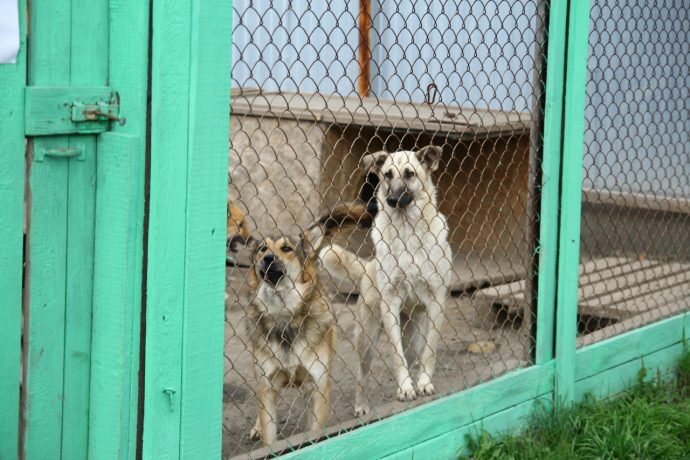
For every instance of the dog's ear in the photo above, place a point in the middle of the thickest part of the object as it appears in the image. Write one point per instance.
(252, 244)
(253, 278)
(307, 249)
(309, 268)
(374, 161)
(430, 156)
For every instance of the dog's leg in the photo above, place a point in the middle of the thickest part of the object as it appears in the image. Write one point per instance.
(431, 327)
(268, 416)
(367, 331)
(321, 394)
(390, 305)
(413, 337)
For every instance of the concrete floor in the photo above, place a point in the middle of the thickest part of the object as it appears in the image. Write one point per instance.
(457, 369)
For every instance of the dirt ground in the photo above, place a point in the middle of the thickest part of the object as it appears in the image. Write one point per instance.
(457, 369)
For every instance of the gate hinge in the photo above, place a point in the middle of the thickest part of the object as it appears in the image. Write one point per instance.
(54, 111)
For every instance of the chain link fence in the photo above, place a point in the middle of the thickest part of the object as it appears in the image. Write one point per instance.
(415, 241)
(635, 253)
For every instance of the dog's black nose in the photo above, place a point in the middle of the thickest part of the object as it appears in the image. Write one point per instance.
(399, 200)
(269, 258)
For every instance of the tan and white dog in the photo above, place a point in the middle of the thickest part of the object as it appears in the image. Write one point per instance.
(291, 330)
(405, 285)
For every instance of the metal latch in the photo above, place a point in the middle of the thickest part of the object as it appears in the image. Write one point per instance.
(59, 110)
(99, 111)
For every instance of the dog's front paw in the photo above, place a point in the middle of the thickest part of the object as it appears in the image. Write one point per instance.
(427, 389)
(406, 393)
(361, 410)
(424, 385)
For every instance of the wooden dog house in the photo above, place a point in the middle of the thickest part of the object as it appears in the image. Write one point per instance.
(483, 179)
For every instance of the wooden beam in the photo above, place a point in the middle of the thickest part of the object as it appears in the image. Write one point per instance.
(549, 184)
(190, 90)
(571, 199)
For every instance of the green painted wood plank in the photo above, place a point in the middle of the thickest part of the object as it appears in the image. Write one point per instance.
(571, 198)
(89, 66)
(617, 379)
(118, 240)
(207, 190)
(454, 443)
(184, 353)
(81, 188)
(49, 64)
(128, 73)
(170, 93)
(47, 261)
(436, 418)
(612, 352)
(551, 166)
(12, 83)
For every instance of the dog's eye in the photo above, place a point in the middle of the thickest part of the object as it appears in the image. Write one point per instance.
(262, 249)
(409, 174)
(286, 248)
(388, 174)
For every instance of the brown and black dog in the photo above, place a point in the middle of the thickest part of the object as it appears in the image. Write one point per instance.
(291, 329)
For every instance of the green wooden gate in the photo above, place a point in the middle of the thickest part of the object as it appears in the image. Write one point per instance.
(85, 65)
(78, 97)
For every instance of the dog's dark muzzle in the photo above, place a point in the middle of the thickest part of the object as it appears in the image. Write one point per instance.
(399, 200)
(271, 269)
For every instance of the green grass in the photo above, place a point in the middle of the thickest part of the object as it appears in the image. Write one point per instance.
(652, 421)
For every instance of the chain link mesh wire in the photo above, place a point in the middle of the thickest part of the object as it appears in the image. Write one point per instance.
(635, 249)
(316, 87)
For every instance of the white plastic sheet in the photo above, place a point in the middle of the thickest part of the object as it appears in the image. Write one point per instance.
(9, 31)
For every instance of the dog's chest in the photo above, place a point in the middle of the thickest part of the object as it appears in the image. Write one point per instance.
(281, 332)
(283, 337)
(413, 246)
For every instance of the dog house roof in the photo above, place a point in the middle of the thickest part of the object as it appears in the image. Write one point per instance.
(381, 113)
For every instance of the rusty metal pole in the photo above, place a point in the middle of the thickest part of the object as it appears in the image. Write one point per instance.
(364, 49)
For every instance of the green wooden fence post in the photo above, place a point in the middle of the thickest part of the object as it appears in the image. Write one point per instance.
(119, 241)
(550, 184)
(12, 83)
(190, 86)
(571, 199)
